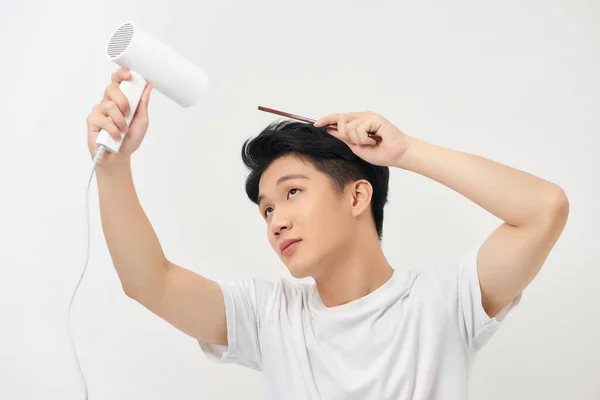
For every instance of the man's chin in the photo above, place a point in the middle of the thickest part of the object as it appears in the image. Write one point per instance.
(299, 271)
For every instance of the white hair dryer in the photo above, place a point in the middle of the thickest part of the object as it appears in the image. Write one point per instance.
(149, 60)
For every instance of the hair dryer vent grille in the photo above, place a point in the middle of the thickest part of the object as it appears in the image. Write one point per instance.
(120, 40)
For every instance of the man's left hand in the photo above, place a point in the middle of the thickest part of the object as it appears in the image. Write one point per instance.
(354, 128)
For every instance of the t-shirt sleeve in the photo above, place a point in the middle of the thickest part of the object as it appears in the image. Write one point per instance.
(460, 292)
(244, 303)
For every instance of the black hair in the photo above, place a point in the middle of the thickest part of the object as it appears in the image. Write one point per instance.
(327, 153)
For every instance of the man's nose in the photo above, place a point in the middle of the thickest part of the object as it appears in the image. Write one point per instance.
(280, 221)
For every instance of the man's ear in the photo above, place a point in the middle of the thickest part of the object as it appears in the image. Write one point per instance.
(361, 193)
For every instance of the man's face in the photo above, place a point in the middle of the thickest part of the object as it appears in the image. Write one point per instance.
(299, 202)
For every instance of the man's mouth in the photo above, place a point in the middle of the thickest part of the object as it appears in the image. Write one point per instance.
(288, 245)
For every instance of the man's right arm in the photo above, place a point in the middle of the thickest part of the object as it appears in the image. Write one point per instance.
(188, 301)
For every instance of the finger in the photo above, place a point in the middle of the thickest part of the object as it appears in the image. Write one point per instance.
(142, 110)
(333, 119)
(342, 127)
(114, 93)
(372, 125)
(109, 126)
(363, 134)
(334, 132)
(110, 109)
(351, 130)
(97, 121)
(327, 120)
(146, 94)
(120, 75)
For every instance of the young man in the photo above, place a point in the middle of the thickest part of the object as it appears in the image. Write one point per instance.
(363, 330)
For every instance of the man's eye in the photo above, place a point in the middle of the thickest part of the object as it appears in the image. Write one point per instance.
(291, 192)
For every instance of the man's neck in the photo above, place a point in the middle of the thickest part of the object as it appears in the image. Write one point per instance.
(358, 271)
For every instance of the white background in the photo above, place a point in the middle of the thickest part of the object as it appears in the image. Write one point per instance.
(514, 81)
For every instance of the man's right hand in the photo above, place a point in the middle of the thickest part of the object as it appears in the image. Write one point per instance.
(110, 114)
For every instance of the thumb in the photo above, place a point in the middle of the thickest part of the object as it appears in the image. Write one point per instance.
(142, 109)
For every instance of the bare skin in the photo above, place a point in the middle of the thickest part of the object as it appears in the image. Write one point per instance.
(332, 226)
(339, 248)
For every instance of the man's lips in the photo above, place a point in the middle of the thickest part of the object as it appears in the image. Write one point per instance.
(287, 243)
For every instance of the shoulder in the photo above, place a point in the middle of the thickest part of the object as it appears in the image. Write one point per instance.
(282, 289)
(449, 271)
(281, 299)
(269, 293)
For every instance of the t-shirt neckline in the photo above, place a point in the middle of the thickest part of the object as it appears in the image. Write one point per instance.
(317, 304)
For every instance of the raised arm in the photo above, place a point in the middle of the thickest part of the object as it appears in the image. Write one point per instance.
(534, 212)
(190, 302)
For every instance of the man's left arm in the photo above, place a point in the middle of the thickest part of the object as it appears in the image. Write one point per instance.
(534, 212)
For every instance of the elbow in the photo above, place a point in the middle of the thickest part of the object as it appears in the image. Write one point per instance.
(148, 288)
(556, 210)
(559, 205)
(134, 293)
(143, 296)
(140, 293)
(129, 291)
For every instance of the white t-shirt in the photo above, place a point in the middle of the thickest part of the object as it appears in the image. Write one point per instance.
(414, 337)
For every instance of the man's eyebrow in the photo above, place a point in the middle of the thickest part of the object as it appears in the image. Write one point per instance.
(281, 180)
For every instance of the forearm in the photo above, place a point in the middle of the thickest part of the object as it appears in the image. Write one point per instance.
(134, 247)
(516, 197)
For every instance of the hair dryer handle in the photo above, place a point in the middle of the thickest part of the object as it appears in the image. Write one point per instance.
(132, 89)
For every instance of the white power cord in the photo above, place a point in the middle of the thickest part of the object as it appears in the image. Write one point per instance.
(97, 158)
